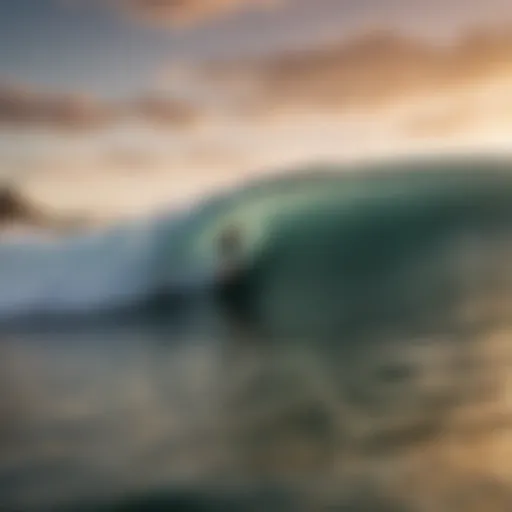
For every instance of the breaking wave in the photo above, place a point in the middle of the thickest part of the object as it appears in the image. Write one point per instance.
(339, 226)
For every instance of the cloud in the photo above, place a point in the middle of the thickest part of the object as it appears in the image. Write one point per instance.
(21, 107)
(452, 120)
(165, 112)
(372, 70)
(485, 109)
(186, 12)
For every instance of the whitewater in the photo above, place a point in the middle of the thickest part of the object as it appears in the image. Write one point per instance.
(113, 267)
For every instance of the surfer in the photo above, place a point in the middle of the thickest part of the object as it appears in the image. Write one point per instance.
(236, 276)
(233, 272)
(229, 250)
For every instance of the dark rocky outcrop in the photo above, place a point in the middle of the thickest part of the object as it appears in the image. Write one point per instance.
(16, 209)
(17, 212)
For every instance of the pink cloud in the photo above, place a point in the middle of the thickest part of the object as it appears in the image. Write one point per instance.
(184, 12)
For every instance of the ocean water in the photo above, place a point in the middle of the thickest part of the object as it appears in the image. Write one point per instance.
(367, 369)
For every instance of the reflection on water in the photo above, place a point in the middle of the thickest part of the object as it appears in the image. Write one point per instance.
(396, 421)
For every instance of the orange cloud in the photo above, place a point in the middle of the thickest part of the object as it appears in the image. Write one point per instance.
(22, 107)
(447, 122)
(373, 70)
(179, 12)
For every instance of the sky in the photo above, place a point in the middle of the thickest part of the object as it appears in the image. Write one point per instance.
(119, 106)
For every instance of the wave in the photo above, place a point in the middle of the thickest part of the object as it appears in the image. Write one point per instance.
(114, 267)
(175, 252)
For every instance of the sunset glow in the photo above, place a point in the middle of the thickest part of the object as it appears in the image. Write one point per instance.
(144, 107)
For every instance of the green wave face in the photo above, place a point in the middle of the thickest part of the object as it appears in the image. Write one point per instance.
(337, 246)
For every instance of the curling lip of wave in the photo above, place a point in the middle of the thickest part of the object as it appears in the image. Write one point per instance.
(113, 268)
